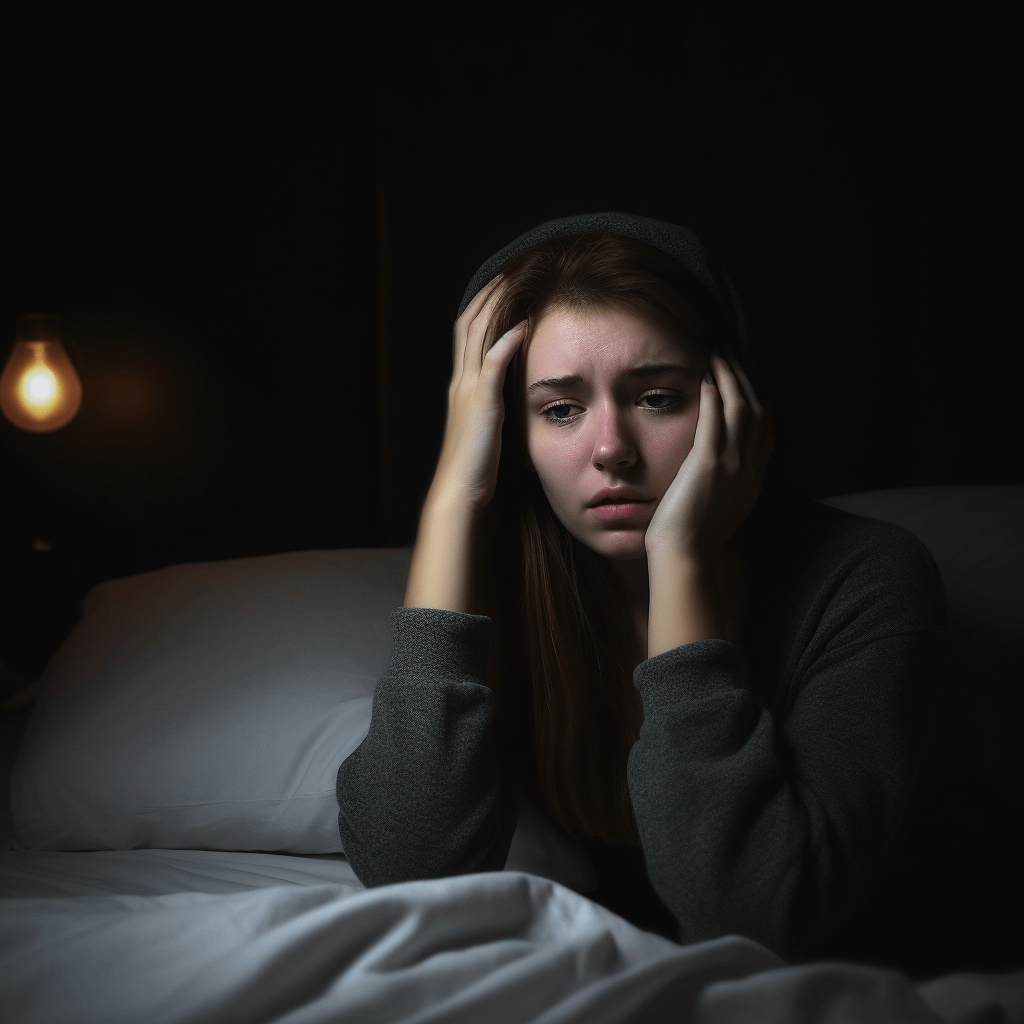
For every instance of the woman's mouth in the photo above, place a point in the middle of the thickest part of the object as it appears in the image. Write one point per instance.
(620, 510)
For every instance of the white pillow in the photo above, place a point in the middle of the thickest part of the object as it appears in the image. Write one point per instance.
(208, 706)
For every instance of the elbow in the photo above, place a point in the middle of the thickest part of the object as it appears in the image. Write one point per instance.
(426, 847)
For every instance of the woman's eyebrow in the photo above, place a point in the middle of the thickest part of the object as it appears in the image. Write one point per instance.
(634, 373)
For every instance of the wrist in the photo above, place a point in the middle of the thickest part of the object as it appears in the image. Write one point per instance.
(441, 569)
(684, 604)
(669, 567)
(698, 597)
(450, 505)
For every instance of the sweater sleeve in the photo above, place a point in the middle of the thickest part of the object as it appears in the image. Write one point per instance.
(423, 796)
(780, 829)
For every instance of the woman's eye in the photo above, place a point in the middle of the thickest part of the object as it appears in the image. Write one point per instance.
(555, 416)
(563, 412)
(659, 406)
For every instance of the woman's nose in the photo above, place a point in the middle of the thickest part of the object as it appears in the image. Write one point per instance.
(614, 445)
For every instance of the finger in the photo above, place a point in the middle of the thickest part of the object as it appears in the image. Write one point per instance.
(762, 435)
(461, 331)
(753, 439)
(734, 403)
(476, 341)
(707, 436)
(500, 354)
(748, 388)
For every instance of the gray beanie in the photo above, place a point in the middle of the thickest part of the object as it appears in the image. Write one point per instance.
(675, 241)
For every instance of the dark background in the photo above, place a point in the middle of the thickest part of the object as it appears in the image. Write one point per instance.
(257, 236)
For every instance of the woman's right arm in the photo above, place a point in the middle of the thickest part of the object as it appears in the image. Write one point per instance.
(423, 796)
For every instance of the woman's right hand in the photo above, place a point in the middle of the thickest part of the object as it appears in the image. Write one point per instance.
(467, 470)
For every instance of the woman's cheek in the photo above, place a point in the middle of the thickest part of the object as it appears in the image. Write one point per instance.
(668, 450)
(548, 461)
(561, 467)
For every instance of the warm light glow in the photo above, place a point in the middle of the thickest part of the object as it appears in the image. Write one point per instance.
(39, 389)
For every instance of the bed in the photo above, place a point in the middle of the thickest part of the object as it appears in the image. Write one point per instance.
(171, 851)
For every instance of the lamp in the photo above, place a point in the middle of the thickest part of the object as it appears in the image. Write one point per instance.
(39, 389)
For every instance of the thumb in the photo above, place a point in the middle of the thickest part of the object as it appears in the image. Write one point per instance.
(709, 417)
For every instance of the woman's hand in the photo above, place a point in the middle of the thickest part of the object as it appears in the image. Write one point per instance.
(467, 470)
(719, 481)
(442, 566)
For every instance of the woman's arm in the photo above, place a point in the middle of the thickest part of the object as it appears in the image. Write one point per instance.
(686, 605)
(441, 570)
(779, 826)
(423, 795)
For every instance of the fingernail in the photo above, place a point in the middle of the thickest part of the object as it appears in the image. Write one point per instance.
(495, 280)
(708, 379)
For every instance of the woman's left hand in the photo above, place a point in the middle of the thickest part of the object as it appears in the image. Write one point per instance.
(719, 481)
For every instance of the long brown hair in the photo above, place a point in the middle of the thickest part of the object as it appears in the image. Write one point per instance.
(565, 646)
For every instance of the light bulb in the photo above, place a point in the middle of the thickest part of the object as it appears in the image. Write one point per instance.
(39, 389)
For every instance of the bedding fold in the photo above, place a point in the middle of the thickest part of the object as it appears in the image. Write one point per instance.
(499, 947)
(169, 936)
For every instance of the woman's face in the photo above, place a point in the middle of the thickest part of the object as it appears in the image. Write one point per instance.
(611, 403)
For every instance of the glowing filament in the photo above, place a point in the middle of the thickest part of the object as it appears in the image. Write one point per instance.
(39, 387)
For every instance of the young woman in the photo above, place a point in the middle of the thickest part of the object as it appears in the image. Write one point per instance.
(731, 694)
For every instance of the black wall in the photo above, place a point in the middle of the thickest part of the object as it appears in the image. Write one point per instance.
(257, 236)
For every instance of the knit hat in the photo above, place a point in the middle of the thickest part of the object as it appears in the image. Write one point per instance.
(676, 241)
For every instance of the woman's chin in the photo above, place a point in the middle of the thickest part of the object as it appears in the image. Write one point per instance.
(620, 545)
(623, 544)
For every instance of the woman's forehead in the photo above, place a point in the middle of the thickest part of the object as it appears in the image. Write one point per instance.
(569, 341)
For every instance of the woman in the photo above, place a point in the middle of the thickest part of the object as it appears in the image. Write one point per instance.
(732, 696)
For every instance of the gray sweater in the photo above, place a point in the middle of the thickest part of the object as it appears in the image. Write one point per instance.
(778, 823)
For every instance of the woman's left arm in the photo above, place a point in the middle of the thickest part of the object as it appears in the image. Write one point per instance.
(781, 829)
(777, 831)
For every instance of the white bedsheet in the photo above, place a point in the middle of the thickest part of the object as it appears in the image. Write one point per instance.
(163, 872)
(197, 936)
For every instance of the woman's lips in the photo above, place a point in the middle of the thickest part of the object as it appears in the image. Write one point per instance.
(620, 511)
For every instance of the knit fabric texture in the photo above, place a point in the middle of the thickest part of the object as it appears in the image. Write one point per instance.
(777, 822)
(780, 822)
